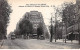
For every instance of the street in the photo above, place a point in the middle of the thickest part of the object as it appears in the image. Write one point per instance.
(37, 44)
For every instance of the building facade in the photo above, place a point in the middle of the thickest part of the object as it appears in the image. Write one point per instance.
(36, 19)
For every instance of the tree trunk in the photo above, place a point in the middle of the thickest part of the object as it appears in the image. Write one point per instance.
(51, 38)
(66, 32)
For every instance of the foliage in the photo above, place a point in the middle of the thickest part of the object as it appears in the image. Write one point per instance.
(51, 31)
(4, 15)
(25, 27)
(68, 13)
(40, 30)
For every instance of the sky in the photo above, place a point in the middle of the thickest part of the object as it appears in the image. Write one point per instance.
(19, 10)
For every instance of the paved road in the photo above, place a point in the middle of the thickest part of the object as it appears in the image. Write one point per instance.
(11, 44)
(37, 44)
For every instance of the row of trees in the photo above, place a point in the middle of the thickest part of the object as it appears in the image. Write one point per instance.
(4, 17)
(69, 17)
(25, 28)
(56, 30)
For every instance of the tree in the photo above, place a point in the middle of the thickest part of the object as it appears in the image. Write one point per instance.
(58, 30)
(25, 27)
(51, 31)
(78, 16)
(40, 30)
(58, 14)
(4, 16)
(69, 14)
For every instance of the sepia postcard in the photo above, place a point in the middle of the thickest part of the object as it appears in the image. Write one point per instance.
(39, 24)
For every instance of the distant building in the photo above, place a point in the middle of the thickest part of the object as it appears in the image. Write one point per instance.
(36, 19)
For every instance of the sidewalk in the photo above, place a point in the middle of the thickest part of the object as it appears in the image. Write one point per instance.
(67, 41)
(68, 45)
